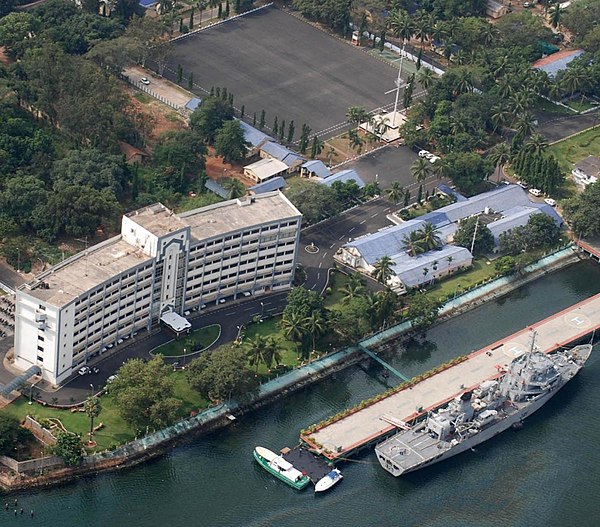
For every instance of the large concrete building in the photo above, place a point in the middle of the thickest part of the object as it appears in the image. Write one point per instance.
(161, 264)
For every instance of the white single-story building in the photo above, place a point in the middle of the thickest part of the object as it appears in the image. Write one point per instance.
(273, 150)
(265, 169)
(587, 171)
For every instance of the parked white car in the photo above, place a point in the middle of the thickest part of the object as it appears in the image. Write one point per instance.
(145, 81)
(535, 192)
(424, 153)
(550, 201)
(433, 158)
(522, 184)
(84, 370)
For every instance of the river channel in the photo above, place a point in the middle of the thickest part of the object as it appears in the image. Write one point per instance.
(545, 474)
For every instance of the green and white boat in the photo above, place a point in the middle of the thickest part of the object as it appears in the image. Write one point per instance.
(280, 468)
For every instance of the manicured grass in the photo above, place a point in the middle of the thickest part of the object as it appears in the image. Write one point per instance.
(270, 328)
(198, 340)
(548, 106)
(573, 150)
(191, 399)
(338, 282)
(114, 432)
(479, 272)
(580, 106)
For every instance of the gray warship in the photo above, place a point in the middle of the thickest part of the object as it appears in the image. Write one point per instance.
(473, 417)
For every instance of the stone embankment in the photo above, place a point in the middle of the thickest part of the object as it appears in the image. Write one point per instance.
(159, 442)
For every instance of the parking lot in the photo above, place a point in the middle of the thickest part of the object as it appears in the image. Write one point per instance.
(273, 61)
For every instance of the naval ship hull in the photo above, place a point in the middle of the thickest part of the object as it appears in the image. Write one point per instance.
(444, 450)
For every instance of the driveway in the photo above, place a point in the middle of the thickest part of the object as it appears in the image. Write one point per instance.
(555, 128)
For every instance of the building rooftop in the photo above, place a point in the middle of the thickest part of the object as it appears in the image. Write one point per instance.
(556, 62)
(235, 214)
(317, 167)
(343, 176)
(283, 154)
(157, 219)
(64, 282)
(253, 135)
(86, 270)
(270, 185)
(267, 168)
(590, 166)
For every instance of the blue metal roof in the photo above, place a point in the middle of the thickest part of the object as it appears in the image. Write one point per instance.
(213, 186)
(496, 200)
(276, 183)
(19, 381)
(416, 270)
(519, 216)
(445, 189)
(551, 211)
(148, 3)
(253, 135)
(385, 242)
(193, 103)
(282, 153)
(555, 63)
(436, 217)
(317, 167)
(343, 176)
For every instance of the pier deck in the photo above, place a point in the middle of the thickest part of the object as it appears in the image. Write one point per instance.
(366, 426)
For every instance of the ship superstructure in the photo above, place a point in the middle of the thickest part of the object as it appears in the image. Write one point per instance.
(475, 416)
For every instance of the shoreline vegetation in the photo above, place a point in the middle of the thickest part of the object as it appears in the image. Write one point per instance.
(213, 417)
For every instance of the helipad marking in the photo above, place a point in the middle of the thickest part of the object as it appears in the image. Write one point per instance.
(514, 349)
(577, 320)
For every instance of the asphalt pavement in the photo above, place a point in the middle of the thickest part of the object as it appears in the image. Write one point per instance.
(555, 128)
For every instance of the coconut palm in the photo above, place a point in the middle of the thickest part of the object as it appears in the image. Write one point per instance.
(92, 409)
(383, 269)
(271, 353)
(500, 154)
(354, 140)
(202, 5)
(555, 91)
(235, 188)
(441, 168)
(256, 350)
(357, 115)
(574, 79)
(400, 24)
(413, 243)
(426, 78)
(537, 144)
(293, 327)
(429, 236)
(351, 291)
(422, 26)
(464, 81)
(382, 126)
(490, 34)
(499, 116)
(315, 325)
(524, 124)
(356, 279)
(395, 193)
(420, 169)
(555, 16)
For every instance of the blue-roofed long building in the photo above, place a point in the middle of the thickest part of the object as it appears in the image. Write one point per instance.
(273, 150)
(343, 176)
(254, 138)
(501, 210)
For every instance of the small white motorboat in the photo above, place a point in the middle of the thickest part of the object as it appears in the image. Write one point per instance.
(328, 481)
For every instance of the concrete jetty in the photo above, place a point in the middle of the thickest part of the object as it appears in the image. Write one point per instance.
(371, 424)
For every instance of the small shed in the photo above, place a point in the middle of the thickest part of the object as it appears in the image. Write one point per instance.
(133, 155)
(342, 177)
(315, 168)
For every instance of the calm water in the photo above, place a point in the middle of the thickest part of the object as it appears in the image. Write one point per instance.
(546, 474)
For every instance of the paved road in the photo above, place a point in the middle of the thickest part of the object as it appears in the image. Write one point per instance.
(231, 316)
(554, 128)
(330, 235)
(10, 277)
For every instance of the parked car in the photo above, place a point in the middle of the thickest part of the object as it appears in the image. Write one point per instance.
(111, 379)
(433, 158)
(95, 370)
(550, 201)
(247, 293)
(120, 341)
(535, 192)
(203, 306)
(423, 153)
(187, 313)
(145, 81)
(522, 184)
(222, 301)
(84, 370)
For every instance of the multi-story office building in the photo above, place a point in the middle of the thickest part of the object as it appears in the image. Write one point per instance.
(161, 263)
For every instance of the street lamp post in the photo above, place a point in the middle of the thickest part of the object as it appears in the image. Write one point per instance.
(262, 308)
(92, 391)
(31, 387)
(184, 353)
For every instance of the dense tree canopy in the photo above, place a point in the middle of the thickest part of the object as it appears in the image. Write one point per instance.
(208, 119)
(143, 393)
(69, 447)
(484, 239)
(315, 201)
(230, 143)
(540, 231)
(12, 434)
(583, 212)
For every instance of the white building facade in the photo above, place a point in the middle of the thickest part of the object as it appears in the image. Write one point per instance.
(161, 263)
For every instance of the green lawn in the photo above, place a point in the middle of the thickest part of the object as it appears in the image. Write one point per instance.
(548, 106)
(338, 282)
(270, 328)
(573, 150)
(200, 339)
(191, 399)
(114, 432)
(408, 66)
(143, 98)
(460, 282)
(580, 106)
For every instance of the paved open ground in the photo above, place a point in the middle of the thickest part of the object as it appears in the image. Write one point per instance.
(366, 425)
(273, 61)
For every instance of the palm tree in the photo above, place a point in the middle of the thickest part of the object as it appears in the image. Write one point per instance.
(400, 24)
(164, 6)
(524, 124)
(426, 78)
(382, 126)
(413, 243)
(354, 140)
(357, 115)
(293, 326)
(330, 154)
(499, 116)
(271, 353)
(537, 144)
(441, 168)
(235, 187)
(351, 291)
(490, 33)
(356, 279)
(383, 269)
(256, 351)
(555, 91)
(574, 79)
(92, 409)
(500, 155)
(420, 169)
(464, 81)
(430, 236)
(422, 26)
(395, 193)
(315, 324)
